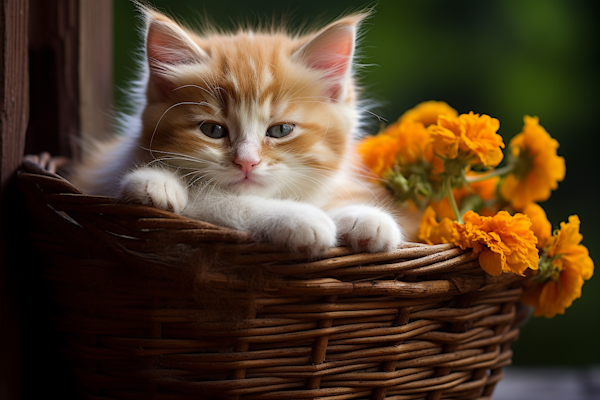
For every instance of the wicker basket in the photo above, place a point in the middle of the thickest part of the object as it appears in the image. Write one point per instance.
(157, 306)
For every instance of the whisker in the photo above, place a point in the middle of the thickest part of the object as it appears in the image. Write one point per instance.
(163, 115)
(379, 117)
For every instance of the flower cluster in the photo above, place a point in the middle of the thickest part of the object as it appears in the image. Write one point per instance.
(447, 165)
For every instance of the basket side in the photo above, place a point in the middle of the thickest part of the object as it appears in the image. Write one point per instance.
(156, 305)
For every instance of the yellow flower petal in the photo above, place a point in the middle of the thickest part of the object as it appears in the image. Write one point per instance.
(491, 262)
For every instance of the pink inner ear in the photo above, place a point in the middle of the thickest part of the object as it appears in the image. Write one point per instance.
(331, 52)
(167, 46)
(334, 59)
(164, 47)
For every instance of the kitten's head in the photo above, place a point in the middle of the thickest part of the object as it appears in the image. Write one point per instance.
(263, 113)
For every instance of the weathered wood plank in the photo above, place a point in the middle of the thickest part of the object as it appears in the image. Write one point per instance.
(14, 109)
(14, 85)
(95, 67)
(54, 77)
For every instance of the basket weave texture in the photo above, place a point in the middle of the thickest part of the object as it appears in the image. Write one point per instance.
(156, 306)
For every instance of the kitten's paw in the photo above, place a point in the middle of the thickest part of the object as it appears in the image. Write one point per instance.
(298, 227)
(366, 228)
(156, 188)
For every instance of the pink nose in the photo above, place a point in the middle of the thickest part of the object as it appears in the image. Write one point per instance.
(246, 165)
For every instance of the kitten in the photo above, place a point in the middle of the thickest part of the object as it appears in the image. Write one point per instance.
(250, 130)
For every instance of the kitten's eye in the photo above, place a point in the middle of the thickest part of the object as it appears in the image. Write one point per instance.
(213, 130)
(279, 131)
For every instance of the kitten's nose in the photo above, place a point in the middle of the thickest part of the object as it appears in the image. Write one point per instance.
(245, 164)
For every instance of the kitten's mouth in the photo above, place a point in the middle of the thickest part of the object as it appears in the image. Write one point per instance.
(248, 181)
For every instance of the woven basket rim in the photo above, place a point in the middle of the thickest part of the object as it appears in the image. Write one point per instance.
(41, 170)
(139, 230)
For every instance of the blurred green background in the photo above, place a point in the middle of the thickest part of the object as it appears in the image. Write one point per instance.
(505, 58)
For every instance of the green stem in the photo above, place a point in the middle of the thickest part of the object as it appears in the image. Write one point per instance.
(453, 204)
(497, 172)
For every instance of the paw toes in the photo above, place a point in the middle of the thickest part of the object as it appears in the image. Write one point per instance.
(154, 188)
(367, 229)
(306, 230)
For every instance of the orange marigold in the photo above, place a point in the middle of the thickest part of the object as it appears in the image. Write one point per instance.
(504, 243)
(433, 232)
(428, 112)
(541, 227)
(468, 137)
(378, 152)
(414, 142)
(562, 272)
(567, 246)
(538, 168)
(555, 295)
(406, 141)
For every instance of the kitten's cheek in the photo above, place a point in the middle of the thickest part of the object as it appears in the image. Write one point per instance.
(154, 188)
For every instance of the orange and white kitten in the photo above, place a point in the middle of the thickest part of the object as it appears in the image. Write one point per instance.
(250, 130)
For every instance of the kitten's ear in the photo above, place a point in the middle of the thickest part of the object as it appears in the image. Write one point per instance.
(331, 51)
(167, 46)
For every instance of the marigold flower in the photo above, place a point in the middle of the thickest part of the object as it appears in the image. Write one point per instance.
(504, 243)
(538, 168)
(555, 295)
(433, 232)
(401, 143)
(378, 152)
(567, 246)
(414, 142)
(406, 141)
(541, 227)
(403, 155)
(468, 136)
(428, 112)
(562, 272)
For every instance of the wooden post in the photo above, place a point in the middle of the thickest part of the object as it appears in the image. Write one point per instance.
(71, 74)
(14, 85)
(14, 110)
(95, 68)
(55, 78)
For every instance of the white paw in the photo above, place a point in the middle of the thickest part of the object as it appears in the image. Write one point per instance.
(298, 227)
(366, 228)
(154, 187)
